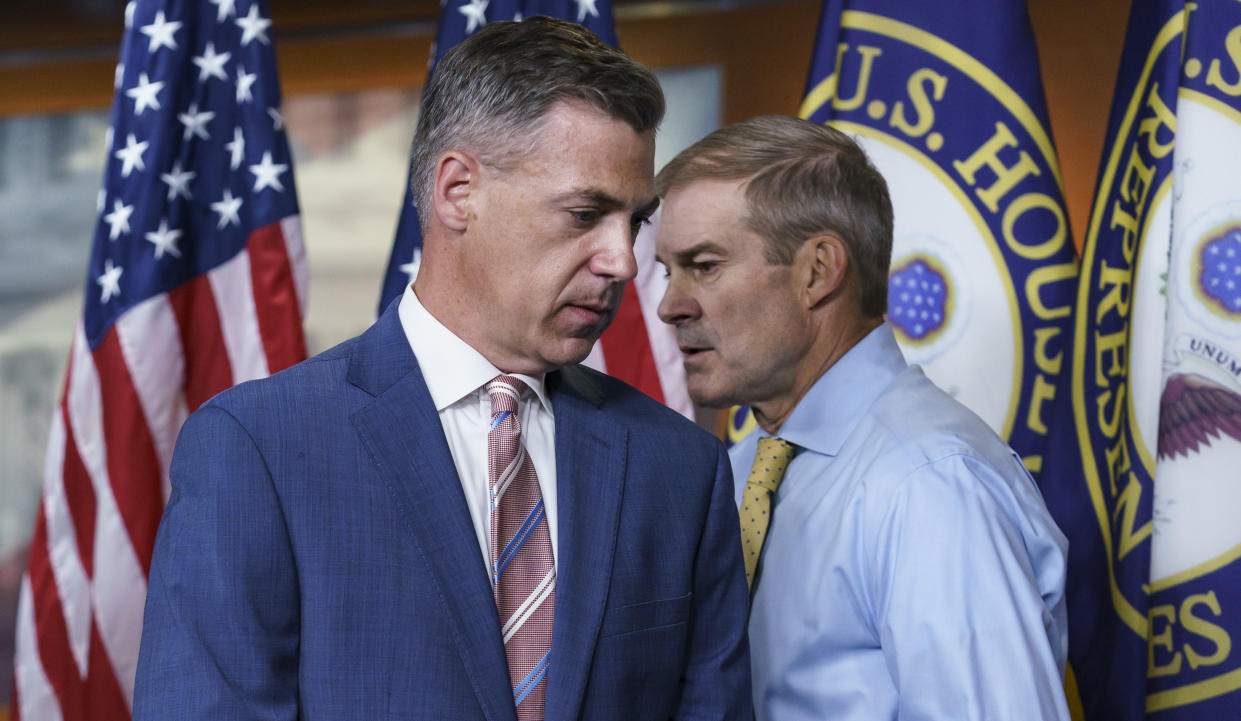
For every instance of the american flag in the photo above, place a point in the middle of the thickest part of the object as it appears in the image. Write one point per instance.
(197, 281)
(637, 348)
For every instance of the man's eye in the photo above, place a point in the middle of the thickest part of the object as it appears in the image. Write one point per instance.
(703, 267)
(584, 217)
(636, 224)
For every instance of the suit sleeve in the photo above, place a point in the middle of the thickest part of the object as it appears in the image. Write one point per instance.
(967, 634)
(717, 674)
(220, 634)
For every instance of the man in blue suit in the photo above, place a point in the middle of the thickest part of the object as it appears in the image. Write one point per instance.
(445, 517)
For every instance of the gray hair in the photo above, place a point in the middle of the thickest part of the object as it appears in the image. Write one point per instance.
(491, 91)
(804, 179)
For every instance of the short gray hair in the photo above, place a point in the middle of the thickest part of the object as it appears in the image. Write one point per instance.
(492, 90)
(804, 179)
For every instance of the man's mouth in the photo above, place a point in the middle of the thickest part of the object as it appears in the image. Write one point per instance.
(590, 313)
(693, 352)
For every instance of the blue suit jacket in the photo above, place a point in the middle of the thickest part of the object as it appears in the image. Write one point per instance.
(317, 559)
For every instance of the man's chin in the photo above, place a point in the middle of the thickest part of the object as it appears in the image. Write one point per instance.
(709, 395)
(570, 351)
(577, 336)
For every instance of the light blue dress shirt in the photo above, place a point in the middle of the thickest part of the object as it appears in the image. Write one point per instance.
(911, 569)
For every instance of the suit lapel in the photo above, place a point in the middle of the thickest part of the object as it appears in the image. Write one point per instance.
(590, 478)
(402, 432)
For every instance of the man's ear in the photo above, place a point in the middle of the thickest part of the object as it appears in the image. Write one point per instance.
(826, 262)
(456, 175)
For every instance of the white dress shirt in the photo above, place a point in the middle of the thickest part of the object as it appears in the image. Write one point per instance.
(457, 375)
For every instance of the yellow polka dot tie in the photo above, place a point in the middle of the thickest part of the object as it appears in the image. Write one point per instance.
(770, 463)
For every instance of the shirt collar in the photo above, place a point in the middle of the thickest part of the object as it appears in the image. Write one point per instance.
(452, 368)
(827, 414)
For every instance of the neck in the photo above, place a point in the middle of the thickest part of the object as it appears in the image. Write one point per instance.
(439, 289)
(830, 347)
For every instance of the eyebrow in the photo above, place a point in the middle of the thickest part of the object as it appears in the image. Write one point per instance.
(608, 200)
(684, 256)
(649, 209)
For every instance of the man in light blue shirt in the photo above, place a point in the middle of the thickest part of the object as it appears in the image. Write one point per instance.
(905, 566)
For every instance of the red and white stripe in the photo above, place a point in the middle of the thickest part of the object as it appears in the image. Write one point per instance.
(106, 471)
(638, 348)
(522, 563)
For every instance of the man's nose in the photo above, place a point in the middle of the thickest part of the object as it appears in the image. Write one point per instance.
(677, 306)
(614, 259)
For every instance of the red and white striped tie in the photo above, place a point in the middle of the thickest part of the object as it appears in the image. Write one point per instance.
(523, 570)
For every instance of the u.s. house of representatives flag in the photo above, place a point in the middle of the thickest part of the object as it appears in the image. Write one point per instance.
(946, 99)
(1146, 484)
(196, 281)
(637, 347)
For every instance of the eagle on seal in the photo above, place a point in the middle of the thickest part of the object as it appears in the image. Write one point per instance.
(1192, 411)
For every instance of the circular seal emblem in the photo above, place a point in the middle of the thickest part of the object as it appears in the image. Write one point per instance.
(1206, 265)
(982, 276)
(1217, 271)
(1156, 381)
(741, 423)
(920, 297)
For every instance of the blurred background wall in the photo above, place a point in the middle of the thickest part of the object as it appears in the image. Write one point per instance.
(351, 74)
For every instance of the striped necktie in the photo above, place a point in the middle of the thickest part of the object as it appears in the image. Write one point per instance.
(770, 463)
(522, 567)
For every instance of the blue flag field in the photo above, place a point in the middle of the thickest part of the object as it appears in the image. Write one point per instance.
(947, 100)
(1143, 481)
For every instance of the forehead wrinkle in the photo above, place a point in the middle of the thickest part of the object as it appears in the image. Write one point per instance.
(600, 197)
